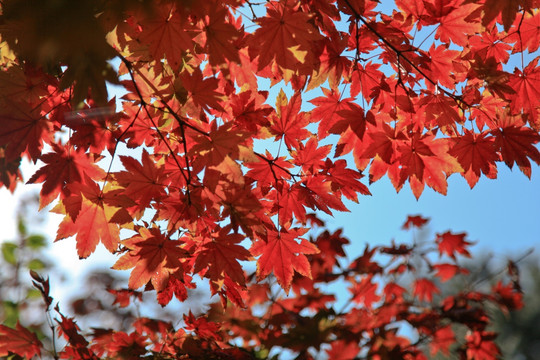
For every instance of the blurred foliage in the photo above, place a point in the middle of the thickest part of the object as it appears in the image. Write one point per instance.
(518, 331)
(19, 300)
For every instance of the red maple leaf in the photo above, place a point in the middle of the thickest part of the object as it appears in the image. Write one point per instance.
(283, 254)
(285, 36)
(517, 144)
(219, 255)
(223, 142)
(476, 154)
(24, 130)
(142, 182)
(447, 271)
(443, 338)
(454, 24)
(289, 123)
(414, 221)
(365, 291)
(203, 92)
(20, 341)
(450, 244)
(219, 35)
(424, 160)
(327, 109)
(424, 289)
(62, 167)
(481, 346)
(441, 66)
(167, 34)
(527, 92)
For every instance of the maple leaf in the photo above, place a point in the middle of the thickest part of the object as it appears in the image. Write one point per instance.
(425, 159)
(414, 221)
(289, 123)
(249, 110)
(344, 180)
(292, 199)
(287, 37)
(142, 182)
(202, 326)
(441, 66)
(450, 244)
(219, 37)
(527, 91)
(24, 130)
(269, 170)
(364, 292)
(62, 167)
(475, 153)
(310, 156)
(223, 142)
(443, 338)
(516, 144)
(220, 255)
(202, 92)
(283, 254)
(454, 24)
(508, 10)
(529, 31)
(20, 341)
(424, 289)
(153, 256)
(447, 271)
(10, 173)
(327, 109)
(165, 34)
(480, 345)
(89, 218)
(342, 350)
(365, 78)
(332, 65)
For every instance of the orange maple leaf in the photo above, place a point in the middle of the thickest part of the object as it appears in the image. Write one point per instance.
(89, 217)
(283, 254)
(153, 256)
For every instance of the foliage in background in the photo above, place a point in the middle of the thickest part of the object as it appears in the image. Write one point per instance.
(197, 173)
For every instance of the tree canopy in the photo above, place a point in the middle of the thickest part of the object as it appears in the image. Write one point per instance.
(241, 122)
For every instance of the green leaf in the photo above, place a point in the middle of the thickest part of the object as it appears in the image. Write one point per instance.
(33, 294)
(10, 312)
(36, 264)
(36, 242)
(21, 226)
(8, 252)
